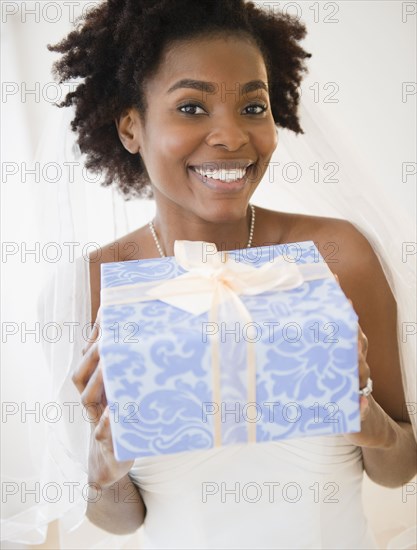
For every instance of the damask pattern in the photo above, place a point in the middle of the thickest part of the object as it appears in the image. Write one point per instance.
(157, 362)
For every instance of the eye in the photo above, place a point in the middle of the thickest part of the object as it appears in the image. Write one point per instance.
(260, 106)
(190, 109)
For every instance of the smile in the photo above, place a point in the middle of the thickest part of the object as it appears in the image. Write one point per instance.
(223, 177)
(223, 180)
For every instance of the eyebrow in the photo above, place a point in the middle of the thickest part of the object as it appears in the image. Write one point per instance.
(211, 87)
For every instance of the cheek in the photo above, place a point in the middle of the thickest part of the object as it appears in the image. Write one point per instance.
(266, 141)
(173, 141)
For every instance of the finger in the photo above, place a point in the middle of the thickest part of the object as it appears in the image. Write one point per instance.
(102, 433)
(94, 336)
(363, 367)
(94, 393)
(94, 389)
(86, 368)
(93, 413)
(364, 407)
(362, 341)
(364, 373)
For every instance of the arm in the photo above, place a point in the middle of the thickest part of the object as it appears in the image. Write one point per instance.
(115, 503)
(118, 509)
(388, 443)
(389, 448)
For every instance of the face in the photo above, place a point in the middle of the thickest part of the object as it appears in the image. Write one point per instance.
(206, 146)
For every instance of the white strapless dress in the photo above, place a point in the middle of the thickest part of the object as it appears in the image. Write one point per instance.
(300, 493)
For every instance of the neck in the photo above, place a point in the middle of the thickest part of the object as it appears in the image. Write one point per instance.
(228, 229)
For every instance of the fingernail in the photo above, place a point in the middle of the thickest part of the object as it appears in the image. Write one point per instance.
(364, 404)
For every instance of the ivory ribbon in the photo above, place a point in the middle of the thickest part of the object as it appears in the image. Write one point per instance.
(213, 278)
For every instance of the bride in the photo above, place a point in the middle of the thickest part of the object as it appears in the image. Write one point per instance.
(181, 101)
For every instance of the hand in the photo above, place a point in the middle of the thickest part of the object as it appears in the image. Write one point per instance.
(364, 372)
(103, 467)
(367, 404)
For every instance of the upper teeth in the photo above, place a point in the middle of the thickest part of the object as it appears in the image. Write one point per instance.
(224, 175)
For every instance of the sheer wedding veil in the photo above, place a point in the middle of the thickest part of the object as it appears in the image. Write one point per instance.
(67, 212)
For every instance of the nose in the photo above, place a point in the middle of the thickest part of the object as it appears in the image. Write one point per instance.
(228, 133)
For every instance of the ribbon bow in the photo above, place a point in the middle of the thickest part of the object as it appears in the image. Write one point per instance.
(213, 277)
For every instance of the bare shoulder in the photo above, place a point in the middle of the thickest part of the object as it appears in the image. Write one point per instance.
(350, 255)
(346, 250)
(128, 247)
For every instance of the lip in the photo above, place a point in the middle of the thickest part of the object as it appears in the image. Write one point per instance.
(220, 186)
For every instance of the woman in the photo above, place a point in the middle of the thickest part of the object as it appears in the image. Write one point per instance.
(182, 99)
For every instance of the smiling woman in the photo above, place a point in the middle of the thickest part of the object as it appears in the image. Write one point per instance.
(181, 101)
(197, 135)
(109, 44)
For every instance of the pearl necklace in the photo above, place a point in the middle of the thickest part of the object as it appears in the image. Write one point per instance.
(252, 229)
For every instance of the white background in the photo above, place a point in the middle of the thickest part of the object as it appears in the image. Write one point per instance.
(369, 53)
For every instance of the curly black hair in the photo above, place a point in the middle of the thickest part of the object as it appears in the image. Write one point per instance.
(114, 69)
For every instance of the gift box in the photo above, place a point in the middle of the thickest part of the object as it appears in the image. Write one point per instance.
(210, 348)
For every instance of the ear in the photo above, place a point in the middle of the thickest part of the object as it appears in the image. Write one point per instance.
(129, 129)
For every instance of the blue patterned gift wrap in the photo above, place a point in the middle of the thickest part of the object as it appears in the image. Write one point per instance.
(157, 362)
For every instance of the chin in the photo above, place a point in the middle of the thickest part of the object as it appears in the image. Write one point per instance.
(224, 210)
